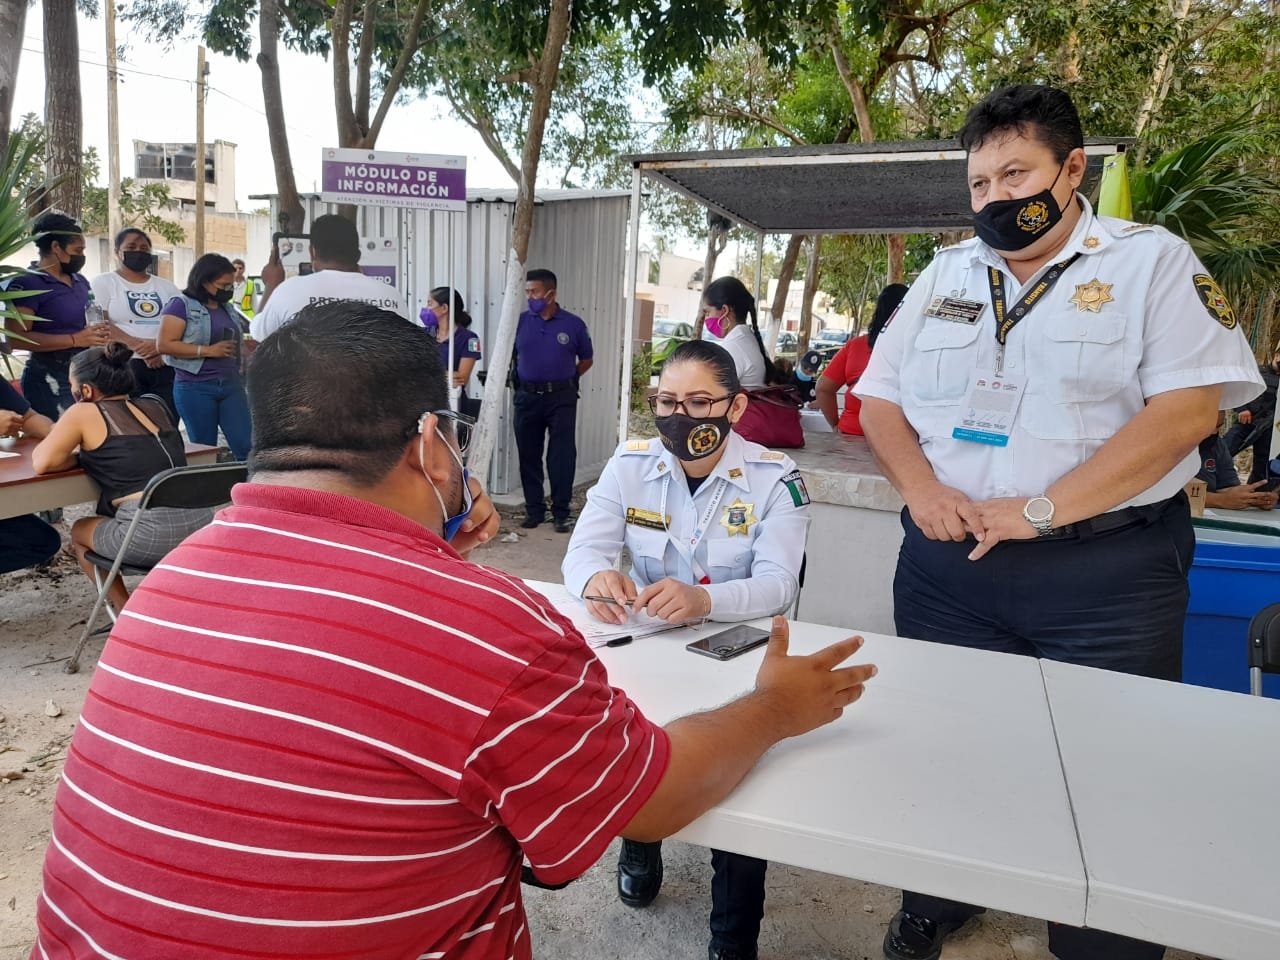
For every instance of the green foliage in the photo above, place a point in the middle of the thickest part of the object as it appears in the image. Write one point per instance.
(16, 191)
(1217, 193)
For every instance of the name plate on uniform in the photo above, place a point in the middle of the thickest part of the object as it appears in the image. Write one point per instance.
(647, 518)
(956, 309)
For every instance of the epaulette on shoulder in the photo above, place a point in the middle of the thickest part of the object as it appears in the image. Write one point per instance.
(767, 456)
(638, 446)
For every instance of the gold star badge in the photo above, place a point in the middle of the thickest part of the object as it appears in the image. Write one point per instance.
(738, 517)
(1089, 297)
(1090, 242)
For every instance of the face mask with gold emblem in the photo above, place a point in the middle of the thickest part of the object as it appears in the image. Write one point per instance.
(692, 439)
(1016, 224)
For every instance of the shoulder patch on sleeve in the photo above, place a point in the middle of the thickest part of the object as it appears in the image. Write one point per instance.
(1214, 300)
(794, 483)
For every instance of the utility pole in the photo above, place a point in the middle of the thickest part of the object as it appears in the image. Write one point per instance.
(113, 124)
(202, 71)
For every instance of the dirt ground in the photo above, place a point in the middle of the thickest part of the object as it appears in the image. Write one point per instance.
(809, 915)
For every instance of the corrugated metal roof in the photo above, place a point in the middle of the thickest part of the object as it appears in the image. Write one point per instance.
(911, 186)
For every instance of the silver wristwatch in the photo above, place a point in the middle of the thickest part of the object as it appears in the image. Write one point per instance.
(1039, 513)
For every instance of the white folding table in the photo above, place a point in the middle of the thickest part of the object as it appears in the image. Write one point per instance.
(944, 778)
(1175, 790)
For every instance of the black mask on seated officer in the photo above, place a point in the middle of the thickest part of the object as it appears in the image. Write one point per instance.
(1016, 224)
(690, 438)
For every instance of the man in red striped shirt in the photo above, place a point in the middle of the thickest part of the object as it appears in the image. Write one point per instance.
(317, 730)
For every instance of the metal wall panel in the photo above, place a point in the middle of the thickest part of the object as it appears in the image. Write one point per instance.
(581, 236)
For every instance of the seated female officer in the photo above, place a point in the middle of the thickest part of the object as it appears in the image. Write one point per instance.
(716, 528)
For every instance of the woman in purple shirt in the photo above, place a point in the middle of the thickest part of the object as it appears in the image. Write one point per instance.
(450, 321)
(201, 340)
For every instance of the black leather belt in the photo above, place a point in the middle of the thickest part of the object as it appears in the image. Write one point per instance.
(547, 386)
(1113, 521)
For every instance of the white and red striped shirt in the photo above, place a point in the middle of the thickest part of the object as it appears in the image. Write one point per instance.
(316, 731)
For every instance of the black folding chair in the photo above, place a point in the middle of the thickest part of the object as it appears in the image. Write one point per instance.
(192, 488)
(1264, 646)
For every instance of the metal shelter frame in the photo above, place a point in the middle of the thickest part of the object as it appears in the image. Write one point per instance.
(892, 187)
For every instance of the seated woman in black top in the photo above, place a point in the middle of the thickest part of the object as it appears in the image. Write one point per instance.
(121, 445)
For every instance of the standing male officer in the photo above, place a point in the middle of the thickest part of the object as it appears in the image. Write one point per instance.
(553, 349)
(1038, 400)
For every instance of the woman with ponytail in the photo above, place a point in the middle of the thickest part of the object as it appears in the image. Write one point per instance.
(730, 313)
(772, 417)
(121, 443)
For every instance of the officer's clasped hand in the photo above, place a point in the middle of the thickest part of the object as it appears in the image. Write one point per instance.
(673, 601)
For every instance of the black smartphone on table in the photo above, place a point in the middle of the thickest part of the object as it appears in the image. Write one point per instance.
(730, 643)
(1270, 486)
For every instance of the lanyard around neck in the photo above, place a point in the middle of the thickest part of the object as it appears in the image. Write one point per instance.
(1006, 319)
(704, 522)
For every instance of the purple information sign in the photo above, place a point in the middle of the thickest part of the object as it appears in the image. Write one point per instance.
(382, 178)
(386, 274)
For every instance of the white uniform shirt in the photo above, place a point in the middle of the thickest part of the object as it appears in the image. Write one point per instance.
(747, 358)
(1087, 373)
(133, 307)
(752, 544)
(323, 287)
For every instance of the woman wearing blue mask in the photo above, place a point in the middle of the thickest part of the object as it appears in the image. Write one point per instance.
(446, 315)
(715, 526)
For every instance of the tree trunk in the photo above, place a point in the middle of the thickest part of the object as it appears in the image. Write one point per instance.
(1160, 78)
(897, 254)
(291, 215)
(717, 240)
(786, 271)
(810, 291)
(13, 20)
(62, 104)
(544, 84)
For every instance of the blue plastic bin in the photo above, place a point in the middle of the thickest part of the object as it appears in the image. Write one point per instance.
(1230, 582)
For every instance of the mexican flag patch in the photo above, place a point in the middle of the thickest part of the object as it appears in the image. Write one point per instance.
(795, 486)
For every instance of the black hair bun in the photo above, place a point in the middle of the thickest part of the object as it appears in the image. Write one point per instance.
(116, 354)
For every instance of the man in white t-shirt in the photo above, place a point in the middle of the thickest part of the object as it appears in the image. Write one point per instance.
(133, 301)
(335, 258)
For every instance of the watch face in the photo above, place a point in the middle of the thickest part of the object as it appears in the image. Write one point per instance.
(1038, 510)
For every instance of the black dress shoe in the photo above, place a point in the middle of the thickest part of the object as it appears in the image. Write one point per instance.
(913, 937)
(728, 953)
(639, 873)
(529, 523)
(564, 526)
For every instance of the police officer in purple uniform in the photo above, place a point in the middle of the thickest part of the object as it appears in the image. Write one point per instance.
(553, 349)
(55, 330)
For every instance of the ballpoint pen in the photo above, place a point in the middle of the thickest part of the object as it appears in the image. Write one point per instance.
(616, 603)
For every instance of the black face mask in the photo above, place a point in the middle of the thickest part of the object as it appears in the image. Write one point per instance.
(136, 260)
(74, 264)
(692, 439)
(223, 296)
(1016, 224)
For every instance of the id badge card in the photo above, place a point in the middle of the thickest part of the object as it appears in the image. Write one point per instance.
(989, 410)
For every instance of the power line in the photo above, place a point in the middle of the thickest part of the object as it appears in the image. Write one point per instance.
(184, 80)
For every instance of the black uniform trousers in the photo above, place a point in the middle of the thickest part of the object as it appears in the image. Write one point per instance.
(536, 416)
(1256, 435)
(737, 900)
(1115, 600)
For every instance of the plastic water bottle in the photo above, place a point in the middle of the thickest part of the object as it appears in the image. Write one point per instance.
(93, 314)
